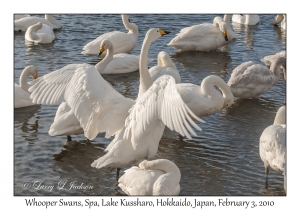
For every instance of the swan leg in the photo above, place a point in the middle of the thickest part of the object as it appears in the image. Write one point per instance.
(69, 138)
(266, 172)
(118, 172)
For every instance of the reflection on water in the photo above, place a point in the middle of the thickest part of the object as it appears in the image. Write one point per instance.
(222, 160)
(249, 32)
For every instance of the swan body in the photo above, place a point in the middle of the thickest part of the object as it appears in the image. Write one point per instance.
(280, 19)
(165, 66)
(122, 42)
(22, 96)
(116, 64)
(204, 37)
(145, 124)
(24, 23)
(99, 108)
(16, 17)
(205, 99)
(272, 145)
(251, 79)
(246, 19)
(39, 33)
(156, 177)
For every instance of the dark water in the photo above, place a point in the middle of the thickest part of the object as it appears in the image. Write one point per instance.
(223, 160)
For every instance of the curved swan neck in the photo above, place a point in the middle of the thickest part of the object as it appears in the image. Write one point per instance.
(145, 78)
(52, 20)
(207, 87)
(280, 116)
(32, 31)
(131, 27)
(275, 67)
(23, 79)
(217, 21)
(166, 61)
(162, 165)
(108, 58)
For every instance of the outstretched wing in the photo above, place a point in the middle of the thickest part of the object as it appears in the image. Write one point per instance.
(96, 104)
(50, 88)
(161, 102)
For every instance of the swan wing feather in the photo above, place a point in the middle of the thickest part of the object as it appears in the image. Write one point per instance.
(160, 102)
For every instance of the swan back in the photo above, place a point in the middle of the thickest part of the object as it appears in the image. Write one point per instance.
(280, 117)
(163, 59)
(157, 177)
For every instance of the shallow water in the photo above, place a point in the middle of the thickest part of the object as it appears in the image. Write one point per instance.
(224, 158)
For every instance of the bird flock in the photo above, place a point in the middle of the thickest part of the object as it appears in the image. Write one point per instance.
(89, 105)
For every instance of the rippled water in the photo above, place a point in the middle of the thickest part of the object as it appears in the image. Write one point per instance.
(223, 160)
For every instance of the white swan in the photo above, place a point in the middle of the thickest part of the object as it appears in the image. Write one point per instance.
(205, 99)
(22, 96)
(204, 37)
(39, 34)
(156, 177)
(250, 80)
(99, 108)
(18, 16)
(122, 42)
(246, 19)
(280, 19)
(268, 59)
(165, 66)
(116, 64)
(24, 23)
(272, 145)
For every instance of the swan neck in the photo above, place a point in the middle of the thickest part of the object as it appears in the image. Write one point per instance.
(52, 20)
(32, 31)
(145, 78)
(108, 58)
(227, 19)
(23, 79)
(275, 68)
(216, 22)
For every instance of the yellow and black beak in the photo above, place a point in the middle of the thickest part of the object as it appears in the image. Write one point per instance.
(101, 50)
(224, 107)
(36, 76)
(225, 35)
(162, 32)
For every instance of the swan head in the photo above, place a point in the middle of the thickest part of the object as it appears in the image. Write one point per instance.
(228, 101)
(105, 44)
(223, 28)
(277, 19)
(32, 70)
(154, 33)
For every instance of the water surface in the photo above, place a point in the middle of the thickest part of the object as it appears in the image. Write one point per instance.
(224, 158)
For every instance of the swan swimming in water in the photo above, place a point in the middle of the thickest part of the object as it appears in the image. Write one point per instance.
(22, 96)
(272, 145)
(205, 36)
(156, 177)
(280, 19)
(24, 23)
(246, 19)
(250, 80)
(122, 42)
(205, 100)
(39, 34)
(116, 64)
(165, 66)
